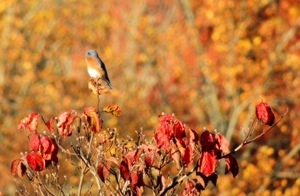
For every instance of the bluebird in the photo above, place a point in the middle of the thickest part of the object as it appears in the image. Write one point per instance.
(95, 67)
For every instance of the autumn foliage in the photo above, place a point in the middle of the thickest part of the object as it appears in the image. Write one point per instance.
(179, 69)
(142, 166)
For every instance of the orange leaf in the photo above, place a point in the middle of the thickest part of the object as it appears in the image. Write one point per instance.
(18, 168)
(97, 88)
(113, 109)
(93, 119)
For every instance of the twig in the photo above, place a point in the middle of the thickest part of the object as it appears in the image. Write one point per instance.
(79, 154)
(82, 173)
(43, 185)
(177, 180)
(247, 139)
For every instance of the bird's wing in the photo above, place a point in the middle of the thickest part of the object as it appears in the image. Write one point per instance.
(101, 63)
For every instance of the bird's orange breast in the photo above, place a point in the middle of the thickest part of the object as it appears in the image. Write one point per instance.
(93, 67)
(92, 62)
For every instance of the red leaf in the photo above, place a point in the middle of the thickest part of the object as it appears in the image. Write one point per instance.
(179, 131)
(14, 166)
(30, 122)
(54, 150)
(207, 163)
(93, 119)
(34, 143)
(131, 157)
(17, 168)
(136, 183)
(188, 155)
(232, 165)
(124, 170)
(45, 143)
(264, 114)
(190, 189)
(150, 151)
(166, 130)
(64, 123)
(134, 179)
(207, 141)
(162, 139)
(193, 137)
(50, 125)
(35, 161)
(149, 160)
(128, 160)
(103, 171)
(222, 143)
(49, 148)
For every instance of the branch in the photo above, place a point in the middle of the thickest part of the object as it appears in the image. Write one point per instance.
(41, 184)
(82, 157)
(177, 180)
(82, 173)
(248, 140)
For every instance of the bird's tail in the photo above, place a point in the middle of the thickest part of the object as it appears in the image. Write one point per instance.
(109, 84)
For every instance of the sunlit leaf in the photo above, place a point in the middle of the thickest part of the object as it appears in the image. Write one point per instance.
(97, 88)
(30, 122)
(93, 119)
(113, 109)
(136, 183)
(188, 155)
(207, 163)
(264, 114)
(35, 161)
(64, 123)
(18, 168)
(222, 143)
(189, 189)
(50, 124)
(34, 142)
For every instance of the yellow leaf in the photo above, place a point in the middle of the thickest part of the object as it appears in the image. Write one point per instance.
(113, 109)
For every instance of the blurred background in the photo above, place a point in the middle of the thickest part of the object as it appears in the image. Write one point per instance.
(208, 63)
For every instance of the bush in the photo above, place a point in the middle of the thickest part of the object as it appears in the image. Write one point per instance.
(177, 160)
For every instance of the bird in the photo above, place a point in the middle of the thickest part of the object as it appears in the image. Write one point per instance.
(96, 67)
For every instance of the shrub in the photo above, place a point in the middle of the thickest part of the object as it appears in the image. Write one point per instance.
(177, 160)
